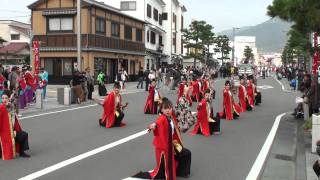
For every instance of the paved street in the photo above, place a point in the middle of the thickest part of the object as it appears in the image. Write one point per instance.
(60, 136)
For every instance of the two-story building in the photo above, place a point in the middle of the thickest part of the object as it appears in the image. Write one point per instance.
(163, 35)
(110, 39)
(14, 46)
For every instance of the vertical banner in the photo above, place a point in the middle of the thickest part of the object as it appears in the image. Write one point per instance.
(36, 46)
(316, 54)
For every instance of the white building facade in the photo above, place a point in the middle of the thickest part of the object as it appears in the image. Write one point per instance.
(14, 31)
(164, 22)
(240, 43)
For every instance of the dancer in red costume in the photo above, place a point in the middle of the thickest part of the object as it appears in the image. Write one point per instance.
(251, 94)
(242, 94)
(231, 110)
(196, 94)
(172, 159)
(113, 109)
(153, 99)
(206, 124)
(184, 90)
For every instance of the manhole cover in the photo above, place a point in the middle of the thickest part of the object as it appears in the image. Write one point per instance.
(284, 157)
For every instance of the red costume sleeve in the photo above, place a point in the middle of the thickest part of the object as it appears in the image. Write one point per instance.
(150, 100)
(6, 135)
(109, 110)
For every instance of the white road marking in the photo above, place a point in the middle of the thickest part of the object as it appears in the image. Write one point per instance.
(258, 165)
(131, 178)
(69, 109)
(265, 87)
(282, 86)
(81, 156)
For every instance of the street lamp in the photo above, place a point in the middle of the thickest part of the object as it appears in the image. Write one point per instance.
(233, 45)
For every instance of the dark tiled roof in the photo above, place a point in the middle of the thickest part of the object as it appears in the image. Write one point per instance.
(13, 48)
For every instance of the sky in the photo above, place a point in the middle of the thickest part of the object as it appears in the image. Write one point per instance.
(222, 14)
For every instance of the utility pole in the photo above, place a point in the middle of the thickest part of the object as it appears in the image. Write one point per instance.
(79, 34)
(233, 45)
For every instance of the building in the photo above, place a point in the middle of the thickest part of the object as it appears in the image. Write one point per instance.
(111, 40)
(164, 22)
(14, 43)
(240, 43)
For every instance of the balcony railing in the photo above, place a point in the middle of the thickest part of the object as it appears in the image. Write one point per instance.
(89, 41)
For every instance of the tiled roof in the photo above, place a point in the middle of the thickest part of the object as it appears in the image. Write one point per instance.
(20, 29)
(13, 48)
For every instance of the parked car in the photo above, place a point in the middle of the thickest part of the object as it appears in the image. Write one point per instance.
(245, 69)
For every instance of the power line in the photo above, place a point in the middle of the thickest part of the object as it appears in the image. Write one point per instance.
(14, 17)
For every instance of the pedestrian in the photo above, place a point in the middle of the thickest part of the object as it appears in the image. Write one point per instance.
(140, 78)
(77, 87)
(84, 86)
(113, 109)
(45, 77)
(90, 83)
(12, 77)
(172, 158)
(101, 84)
(206, 124)
(146, 77)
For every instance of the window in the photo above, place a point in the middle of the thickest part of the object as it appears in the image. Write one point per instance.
(160, 19)
(15, 36)
(182, 22)
(160, 40)
(149, 10)
(60, 24)
(155, 14)
(100, 25)
(128, 32)
(153, 37)
(148, 36)
(139, 35)
(115, 29)
(128, 5)
(174, 17)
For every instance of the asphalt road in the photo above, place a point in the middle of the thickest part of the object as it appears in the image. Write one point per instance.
(58, 137)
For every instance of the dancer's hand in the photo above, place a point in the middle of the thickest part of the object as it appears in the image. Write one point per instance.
(152, 127)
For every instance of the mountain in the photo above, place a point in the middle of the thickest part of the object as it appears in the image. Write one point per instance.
(271, 36)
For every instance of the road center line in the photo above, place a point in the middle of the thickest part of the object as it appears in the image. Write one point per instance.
(282, 86)
(259, 163)
(81, 156)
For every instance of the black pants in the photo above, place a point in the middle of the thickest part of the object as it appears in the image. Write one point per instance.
(258, 99)
(22, 139)
(316, 168)
(90, 90)
(102, 90)
(147, 85)
(140, 83)
(183, 160)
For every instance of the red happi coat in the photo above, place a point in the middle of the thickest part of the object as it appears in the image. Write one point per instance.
(150, 101)
(8, 146)
(251, 91)
(161, 143)
(242, 97)
(109, 109)
(202, 119)
(229, 105)
(196, 90)
(29, 79)
(205, 86)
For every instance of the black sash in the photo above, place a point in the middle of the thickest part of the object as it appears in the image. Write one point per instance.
(170, 149)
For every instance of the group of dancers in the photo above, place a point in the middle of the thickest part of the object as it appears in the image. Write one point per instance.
(172, 157)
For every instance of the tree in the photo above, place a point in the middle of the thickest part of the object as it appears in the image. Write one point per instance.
(248, 55)
(197, 38)
(222, 43)
(208, 39)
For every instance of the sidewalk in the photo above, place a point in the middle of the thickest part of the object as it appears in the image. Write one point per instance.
(52, 102)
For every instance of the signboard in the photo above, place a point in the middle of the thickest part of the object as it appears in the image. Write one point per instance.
(36, 46)
(315, 56)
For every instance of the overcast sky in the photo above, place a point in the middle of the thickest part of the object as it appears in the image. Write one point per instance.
(222, 14)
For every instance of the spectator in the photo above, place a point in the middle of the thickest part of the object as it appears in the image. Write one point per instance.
(140, 78)
(45, 77)
(76, 83)
(90, 83)
(101, 81)
(12, 78)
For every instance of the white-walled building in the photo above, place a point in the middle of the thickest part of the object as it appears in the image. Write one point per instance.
(240, 43)
(14, 31)
(163, 36)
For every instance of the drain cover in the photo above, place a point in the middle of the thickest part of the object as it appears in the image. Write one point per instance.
(283, 157)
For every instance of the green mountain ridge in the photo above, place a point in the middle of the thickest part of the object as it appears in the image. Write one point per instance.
(271, 36)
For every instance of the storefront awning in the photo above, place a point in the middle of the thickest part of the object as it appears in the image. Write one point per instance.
(55, 12)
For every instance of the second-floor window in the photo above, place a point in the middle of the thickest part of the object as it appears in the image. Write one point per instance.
(153, 37)
(57, 24)
(15, 36)
(139, 35)
(149, 10)
(128, 5)
(100, 25)
(155, 14)
(148, 36)
(160, 40)
(128, 32)
(160, 19)
(115, 29)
